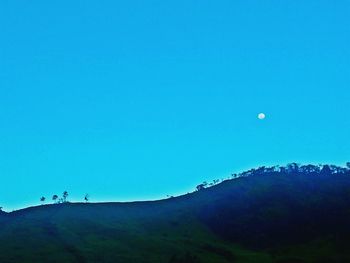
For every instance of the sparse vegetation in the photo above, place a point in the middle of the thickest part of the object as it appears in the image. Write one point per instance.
(65, 196)
(86, 198)
(42, 199)
(292, 213)
(55, 198)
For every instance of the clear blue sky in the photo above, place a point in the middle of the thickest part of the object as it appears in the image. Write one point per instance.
(131, 100)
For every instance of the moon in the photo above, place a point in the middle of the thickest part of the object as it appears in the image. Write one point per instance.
(261, 116)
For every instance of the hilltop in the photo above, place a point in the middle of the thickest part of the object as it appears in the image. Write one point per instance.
(269, 214)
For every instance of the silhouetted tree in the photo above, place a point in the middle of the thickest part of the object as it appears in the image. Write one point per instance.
(309, 169)
(283, 170)
(292, 168)
(348, 165)
(271, 169)
(336, 169)
(247, 173)
(342, 170)
(259, 170)
(42, 199)
(234, 175)
(54, 198)
(326, 170)
(64, 196)
(200, 187)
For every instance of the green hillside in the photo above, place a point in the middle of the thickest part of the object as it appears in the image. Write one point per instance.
(269, 216)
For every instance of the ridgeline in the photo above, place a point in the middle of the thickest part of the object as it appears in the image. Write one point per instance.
(269, 214)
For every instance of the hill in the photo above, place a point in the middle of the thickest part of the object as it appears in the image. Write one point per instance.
(263, 215)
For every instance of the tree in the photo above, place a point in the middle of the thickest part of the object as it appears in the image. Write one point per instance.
(271, 169)
(309, 169)
(86, 198)
(54, 198)
(42, 199)
(234, 175)
(326, 170)
(282, 169)
(292, 168)
(200, 187)
(335, 169)
(348, 165)
(259, 170)
(64, 196)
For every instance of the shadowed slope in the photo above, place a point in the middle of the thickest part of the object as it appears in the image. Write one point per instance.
(271, 217)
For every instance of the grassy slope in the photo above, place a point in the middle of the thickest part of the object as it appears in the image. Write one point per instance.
(257, 219)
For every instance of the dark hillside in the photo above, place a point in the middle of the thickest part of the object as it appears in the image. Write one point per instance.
(291, 214)
(269, 211)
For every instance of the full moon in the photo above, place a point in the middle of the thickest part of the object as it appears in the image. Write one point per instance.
(261, 116)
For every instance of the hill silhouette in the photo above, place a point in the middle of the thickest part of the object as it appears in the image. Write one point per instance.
(270, 214)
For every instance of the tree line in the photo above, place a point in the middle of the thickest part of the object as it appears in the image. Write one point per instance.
(289, 169)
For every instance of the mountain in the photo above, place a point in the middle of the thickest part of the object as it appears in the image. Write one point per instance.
(264, 215)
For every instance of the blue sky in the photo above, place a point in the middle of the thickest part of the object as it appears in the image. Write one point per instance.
(136, 100)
